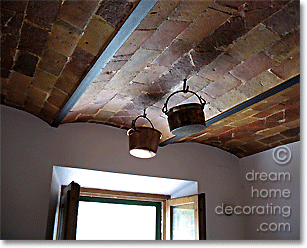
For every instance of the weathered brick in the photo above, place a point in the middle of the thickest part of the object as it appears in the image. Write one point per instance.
(11, 22)
(167, 81)
(276, 117)
(291, 13)
(120, 80)
(19, 82)
(272, 131)
(103, 115)
(80, 62)
(285, 48)
(255, 13)
(48, 112)
(196, 83)
(289, 140)
(114, 11)
(36, 96)
(64, 38)
(292, 124)
(16, 98)
(52, 62)
(259, 84)
(172, 53)
(197, 30)
(67, 81)
(164, 35)
(44, 81)
(222, 86)
(219, 67)
(292, 114)
(26, 63)
(139, 60)
(78, 13)
(291, 132)
(201, 59)
(253, 43)
(224, 35)
(32, 108)
(33, 39)
(251, 145)
(57, 98)
(149, 74)
(244, 121)
(252, 67)
(97, 34)
(271, 139)
(267, 110)
(134, 41)
(18, 6)
(182, 68)
(187, 11)
(229, 100)
(5, 73)
(116, 104)
(7, 56)
(43, 13)
(288, 68)
(158, 14)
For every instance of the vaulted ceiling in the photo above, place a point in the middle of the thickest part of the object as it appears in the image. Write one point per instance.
(105, 61)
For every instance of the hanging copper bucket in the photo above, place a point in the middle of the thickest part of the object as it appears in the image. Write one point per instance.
(188, 118)
(143, 141)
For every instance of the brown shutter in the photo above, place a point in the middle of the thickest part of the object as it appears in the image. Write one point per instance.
(69, 212)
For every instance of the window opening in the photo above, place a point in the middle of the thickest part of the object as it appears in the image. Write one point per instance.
(118, 219)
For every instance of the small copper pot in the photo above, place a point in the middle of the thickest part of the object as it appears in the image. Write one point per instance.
(144, 141)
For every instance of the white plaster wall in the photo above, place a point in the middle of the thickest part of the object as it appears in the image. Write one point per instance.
(30, 147)
(263, 162)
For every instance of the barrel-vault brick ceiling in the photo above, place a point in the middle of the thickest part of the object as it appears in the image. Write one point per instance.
(230, 51)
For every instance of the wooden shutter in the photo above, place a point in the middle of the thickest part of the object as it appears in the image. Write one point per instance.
(69, 212)
(199, 214)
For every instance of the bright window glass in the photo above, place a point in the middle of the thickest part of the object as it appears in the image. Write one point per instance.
(116, 220)
(183, 222)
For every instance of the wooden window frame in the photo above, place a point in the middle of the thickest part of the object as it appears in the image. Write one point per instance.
(134, 196)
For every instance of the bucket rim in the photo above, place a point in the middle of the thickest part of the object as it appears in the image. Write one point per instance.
(130, 131)
(177, 107)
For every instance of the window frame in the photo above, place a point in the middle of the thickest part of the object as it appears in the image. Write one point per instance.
(134, 196)
(157, 205)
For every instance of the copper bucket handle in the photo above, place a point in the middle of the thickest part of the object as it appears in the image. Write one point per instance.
(184, 90)
(133, 129)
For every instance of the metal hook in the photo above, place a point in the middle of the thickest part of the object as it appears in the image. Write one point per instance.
(185, 87)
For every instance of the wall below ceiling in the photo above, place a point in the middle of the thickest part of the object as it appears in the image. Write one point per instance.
(30, 148)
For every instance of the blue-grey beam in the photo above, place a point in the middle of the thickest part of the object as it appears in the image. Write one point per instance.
(134, 19)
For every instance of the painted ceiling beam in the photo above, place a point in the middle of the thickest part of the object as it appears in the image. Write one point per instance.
(134, 19)
(243, 105)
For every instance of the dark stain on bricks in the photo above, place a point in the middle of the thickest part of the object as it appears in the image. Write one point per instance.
(11, 22)
(80, 61)
(43, 13)
(114, 11)
(291, 132)
(26, 63)
(33, 39)
(285, 20)
(214, 44)
(223, 35)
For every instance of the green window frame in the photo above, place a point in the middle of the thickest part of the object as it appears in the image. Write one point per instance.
(131, 202)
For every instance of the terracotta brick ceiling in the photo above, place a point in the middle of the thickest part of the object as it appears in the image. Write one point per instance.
(229, 51)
